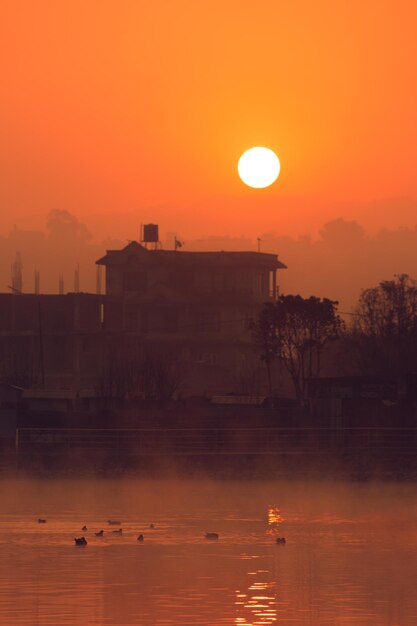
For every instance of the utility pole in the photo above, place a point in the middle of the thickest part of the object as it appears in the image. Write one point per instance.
(77, 280)
(98, 280)
(42, 361)
(17, 274)
(37, 282)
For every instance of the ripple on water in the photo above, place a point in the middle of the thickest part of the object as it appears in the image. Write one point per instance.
(344, 562)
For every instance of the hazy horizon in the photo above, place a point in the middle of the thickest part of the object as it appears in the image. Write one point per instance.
(338, 262)
(138, 113)
(374, 215)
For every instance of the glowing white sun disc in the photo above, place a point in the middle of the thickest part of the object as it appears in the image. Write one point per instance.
(258, 167)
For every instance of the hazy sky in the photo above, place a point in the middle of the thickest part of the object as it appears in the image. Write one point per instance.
(114, 110)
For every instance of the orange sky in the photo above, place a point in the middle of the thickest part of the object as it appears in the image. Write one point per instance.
(140, 110)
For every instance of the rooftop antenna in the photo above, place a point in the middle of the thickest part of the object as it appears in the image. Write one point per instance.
(98, 280)
(61, 285)
(77, 280)
(14, 290)
(17, 274)
(37, 282)
(259, 243)
(178, 244)
(41, 352)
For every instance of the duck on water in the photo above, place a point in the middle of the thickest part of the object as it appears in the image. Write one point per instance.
(80, 541)
(212, 536)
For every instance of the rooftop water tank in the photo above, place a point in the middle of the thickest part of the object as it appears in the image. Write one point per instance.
(150, 233)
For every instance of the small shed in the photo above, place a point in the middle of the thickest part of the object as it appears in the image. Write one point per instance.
(239, 400)
(61, 400)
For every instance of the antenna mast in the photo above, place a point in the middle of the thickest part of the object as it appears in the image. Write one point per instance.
(17, 274)
(77, 280)
(37, 282)
(98, 280)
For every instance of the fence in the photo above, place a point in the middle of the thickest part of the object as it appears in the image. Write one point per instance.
(219, 441)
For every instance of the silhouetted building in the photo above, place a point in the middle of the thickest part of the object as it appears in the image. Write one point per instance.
(164, 290)
(50, 340)
(364, 400)
(186, 308)
(196, 305)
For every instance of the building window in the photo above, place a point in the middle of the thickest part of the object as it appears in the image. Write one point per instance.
(218, 282)
(229, 279)
(161, 319)
(182, 279)
(247, 322)
(171, 321)
(205, 284)
(207, 358)
(134, 281)
(207, 322)
(86, 343)
(131, 320)
(55, 319)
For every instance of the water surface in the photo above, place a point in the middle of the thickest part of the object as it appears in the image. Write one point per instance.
(350, 557)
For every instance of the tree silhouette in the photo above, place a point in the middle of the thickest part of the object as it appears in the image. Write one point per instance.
(384, 331)
(295, 330)
(266, 340)
(152, 376)
(65, 227)
(340, 232)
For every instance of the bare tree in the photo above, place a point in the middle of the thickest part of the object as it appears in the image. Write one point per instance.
(65, 228)
(295, 330)
(161, 376)
(266, 340)
(384, 331)
(152, 376)
(247, 381)
(119, 377)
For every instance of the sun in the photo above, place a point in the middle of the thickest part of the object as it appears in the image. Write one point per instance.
(258, 167)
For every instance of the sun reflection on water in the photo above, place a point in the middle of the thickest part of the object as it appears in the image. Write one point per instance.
(257, 605)
(274, 516)
(274, 520)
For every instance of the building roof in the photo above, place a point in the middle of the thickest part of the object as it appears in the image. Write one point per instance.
(58, 394)
(239, 400)
(49, 394)
(183, 259)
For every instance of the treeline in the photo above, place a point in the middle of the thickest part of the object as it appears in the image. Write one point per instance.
(150, 375)
(380, 338)
(340, 261)
(63, 248)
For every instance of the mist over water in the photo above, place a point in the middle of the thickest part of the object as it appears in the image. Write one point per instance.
(350, 556)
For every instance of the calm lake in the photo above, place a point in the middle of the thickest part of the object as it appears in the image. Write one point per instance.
(350, 557)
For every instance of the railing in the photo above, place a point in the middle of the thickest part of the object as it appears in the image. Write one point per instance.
(217, 441)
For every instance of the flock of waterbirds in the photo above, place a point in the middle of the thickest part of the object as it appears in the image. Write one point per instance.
(82, 541)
